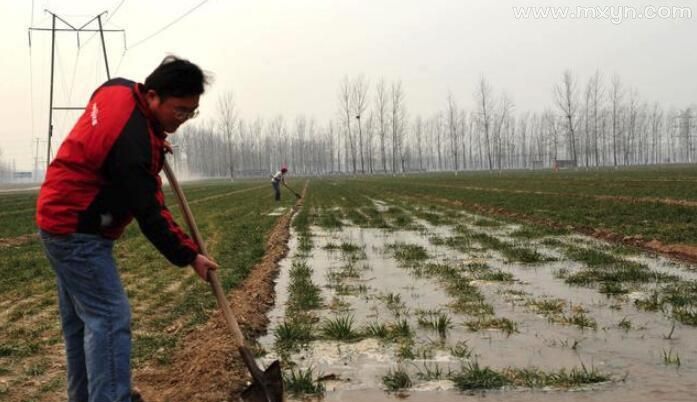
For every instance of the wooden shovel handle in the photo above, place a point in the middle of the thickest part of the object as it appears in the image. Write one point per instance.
(212, 275)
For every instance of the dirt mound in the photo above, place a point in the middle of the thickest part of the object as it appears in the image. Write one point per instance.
(207, 367)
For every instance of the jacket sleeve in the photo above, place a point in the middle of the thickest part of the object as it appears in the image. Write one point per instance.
(129, 167)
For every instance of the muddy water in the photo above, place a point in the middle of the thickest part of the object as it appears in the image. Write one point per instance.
(634, 357)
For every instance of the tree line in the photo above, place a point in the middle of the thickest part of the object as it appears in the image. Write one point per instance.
(601, 121)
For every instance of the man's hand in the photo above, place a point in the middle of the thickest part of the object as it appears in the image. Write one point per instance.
(168, 147)
(202, 265)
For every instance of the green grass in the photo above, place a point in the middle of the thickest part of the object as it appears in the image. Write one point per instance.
(330, 220)
(670, 358)
(602, 267)
(566, 200)
(483, 272)
(399, 218)
(340, 328)
(236, 227)
(397, 331)
(377, 330)
(483, 222)
(579, 319)
(473, 377)
(512, 252)
(408, 253)
(440, 322)
(303, 294)
(536, 378)
(536, 232)
(503, 324)
(291, 334)
(461, 350)
(625, 324)
(396, 379)
(401, 329)
(38, 368)
(19, 348)
(679, 298)
(466, 297)
(431, 372)
(301, 382)
(153, 346)
(546, 307)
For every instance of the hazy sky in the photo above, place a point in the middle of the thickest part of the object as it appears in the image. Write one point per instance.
(289, 56)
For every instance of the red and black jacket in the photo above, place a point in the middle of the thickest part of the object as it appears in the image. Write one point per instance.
(106, 173)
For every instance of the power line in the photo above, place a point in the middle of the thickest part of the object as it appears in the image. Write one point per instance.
(110, 16)
(170, 24)
(116, 10)
(118, 66)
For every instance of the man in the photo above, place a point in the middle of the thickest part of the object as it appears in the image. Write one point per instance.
(277, 180)
(106, 173)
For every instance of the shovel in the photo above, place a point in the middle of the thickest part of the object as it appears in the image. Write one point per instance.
(267, 385)
(292, 191)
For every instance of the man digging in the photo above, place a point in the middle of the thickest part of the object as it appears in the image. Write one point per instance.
(106, 173)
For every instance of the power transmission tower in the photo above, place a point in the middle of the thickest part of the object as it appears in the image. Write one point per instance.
(77, 30)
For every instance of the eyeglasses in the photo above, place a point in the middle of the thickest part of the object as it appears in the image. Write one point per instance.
(183, 114)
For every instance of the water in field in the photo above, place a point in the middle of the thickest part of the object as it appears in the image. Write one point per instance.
(639, 356)
(277, 212)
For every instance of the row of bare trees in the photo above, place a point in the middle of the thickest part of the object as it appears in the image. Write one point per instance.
(6, 170)
(601, 122)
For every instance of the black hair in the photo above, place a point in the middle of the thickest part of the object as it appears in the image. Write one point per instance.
(176, 77)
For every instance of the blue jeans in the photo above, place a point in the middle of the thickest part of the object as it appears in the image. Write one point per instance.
(95, 316)
(277, 190)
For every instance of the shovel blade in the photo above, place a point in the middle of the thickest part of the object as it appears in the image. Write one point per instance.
(268, 388)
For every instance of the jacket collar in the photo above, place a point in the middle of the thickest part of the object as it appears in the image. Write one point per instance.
(138, 92)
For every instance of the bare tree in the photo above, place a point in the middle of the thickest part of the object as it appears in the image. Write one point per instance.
(438, 132)
(370, 140)
(565, 97)
(397, 123)
(418, 136)
(593, 130)
(345, 109)
(553, 130)
(228, 121)
(522, 158)
(485, 101)
(631, 124)
(359, 102)
(453, 130)
(595, 95)
(506, 106)
(616, 94)
(656, 125)
(381, 107)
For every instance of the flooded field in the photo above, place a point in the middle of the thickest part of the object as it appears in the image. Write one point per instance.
(444, 305)
(431, 288)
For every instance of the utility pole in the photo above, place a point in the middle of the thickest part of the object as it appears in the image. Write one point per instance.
(77, 30)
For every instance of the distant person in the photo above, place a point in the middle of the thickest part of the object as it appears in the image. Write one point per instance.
(277, 180)
(106, 173)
